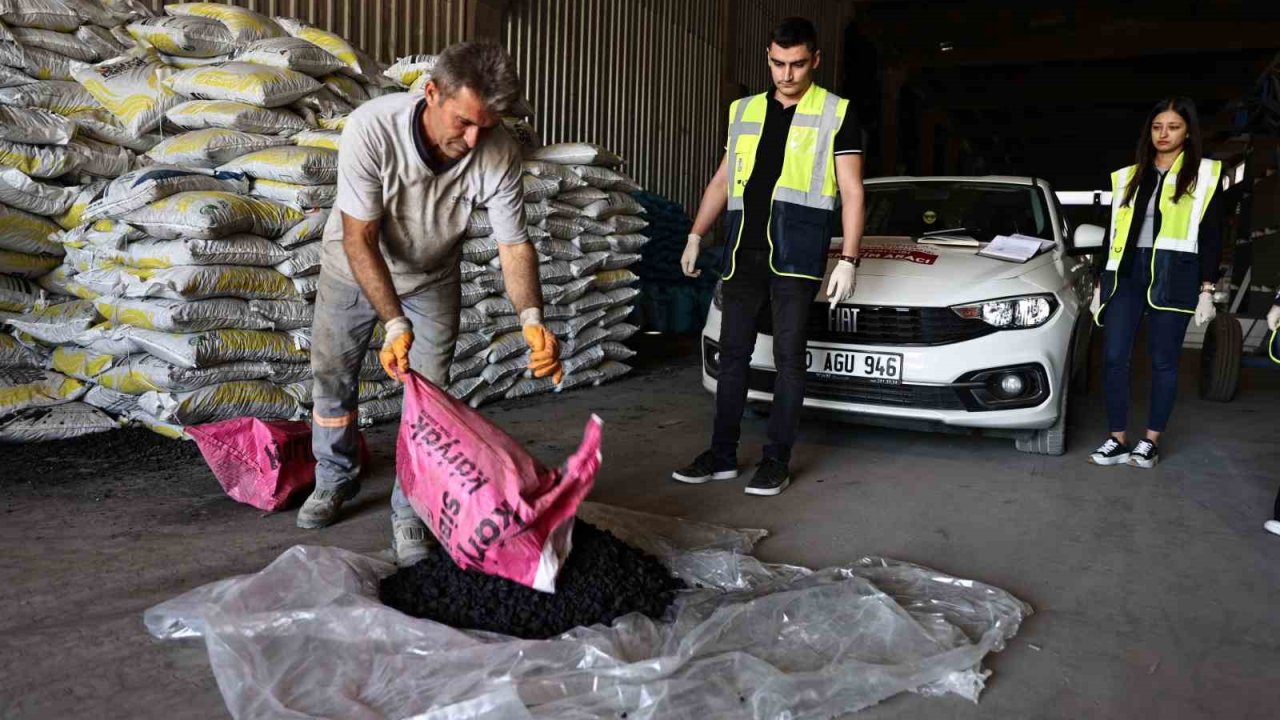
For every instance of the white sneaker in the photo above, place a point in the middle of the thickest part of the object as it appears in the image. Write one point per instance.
(1111, 452)
(1145, 455)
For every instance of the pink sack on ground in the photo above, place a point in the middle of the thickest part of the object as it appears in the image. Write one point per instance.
(490, 503)
(263, 463)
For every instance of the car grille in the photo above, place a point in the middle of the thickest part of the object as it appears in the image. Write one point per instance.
(890, 326)
(868, 392)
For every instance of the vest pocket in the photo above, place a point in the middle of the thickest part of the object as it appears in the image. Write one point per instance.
(801, 237)
(1177, 279)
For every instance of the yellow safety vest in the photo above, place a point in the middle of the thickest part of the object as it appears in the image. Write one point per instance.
(1175, 260)
(802, 212)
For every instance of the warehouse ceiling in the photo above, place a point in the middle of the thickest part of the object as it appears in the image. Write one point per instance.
(1054, 89)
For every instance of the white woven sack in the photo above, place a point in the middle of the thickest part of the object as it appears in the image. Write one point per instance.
(21, 192)
(139, 188)
(39, 161)
(244, 25)
(577, 154)
(211, 147)
(290, 53)
(193, 37)
(59, 96)
(232, 115)
(244, 82)
(289, 164)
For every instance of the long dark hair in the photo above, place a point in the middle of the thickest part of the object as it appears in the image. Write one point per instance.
(1192, 150)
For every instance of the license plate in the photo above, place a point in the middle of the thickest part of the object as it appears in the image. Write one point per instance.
(885, 367)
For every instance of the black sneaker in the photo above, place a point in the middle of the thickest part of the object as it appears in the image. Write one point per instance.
(1145, 454)
(1111, 452)
(771, 478)
(703, 469)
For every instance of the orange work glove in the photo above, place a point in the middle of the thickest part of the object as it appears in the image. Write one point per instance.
(394, 354)
(544, 350)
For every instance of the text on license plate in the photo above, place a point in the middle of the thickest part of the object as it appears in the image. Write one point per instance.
(854, 363)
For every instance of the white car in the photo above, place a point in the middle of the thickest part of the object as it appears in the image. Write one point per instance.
(937, 336)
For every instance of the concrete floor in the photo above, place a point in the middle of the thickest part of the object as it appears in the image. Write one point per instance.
(1155, 591)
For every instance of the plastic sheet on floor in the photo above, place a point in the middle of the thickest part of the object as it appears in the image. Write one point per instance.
(307, 638)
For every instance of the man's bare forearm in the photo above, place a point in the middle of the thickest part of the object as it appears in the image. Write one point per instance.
(360, 241)
(714, 200)
(852, 221)
(852, 202)
(520, 274)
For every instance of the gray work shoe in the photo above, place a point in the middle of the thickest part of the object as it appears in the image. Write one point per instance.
(410, 540)
(321, 508)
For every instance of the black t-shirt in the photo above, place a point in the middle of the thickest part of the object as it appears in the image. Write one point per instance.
(756, 197)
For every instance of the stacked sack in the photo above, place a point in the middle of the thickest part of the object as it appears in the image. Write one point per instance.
(586, 230)
(669, 301)
(58, 147)
(194, 271)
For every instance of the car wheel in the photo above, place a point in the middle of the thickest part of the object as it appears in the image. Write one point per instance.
(1220, 359)
(1052, 440)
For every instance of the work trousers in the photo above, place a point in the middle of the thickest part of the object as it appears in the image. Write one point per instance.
(744, 297)
(343, 328)
(1165, 332)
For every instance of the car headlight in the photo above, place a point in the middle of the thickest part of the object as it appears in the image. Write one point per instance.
(1010, 313)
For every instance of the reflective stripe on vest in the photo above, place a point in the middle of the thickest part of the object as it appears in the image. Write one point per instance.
(1179, 222)
(808, 177)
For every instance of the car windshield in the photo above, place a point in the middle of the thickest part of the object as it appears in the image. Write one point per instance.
(983, 210)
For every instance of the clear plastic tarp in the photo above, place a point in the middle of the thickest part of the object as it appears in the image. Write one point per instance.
(306, 637)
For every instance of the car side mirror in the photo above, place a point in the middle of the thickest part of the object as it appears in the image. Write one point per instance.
(1087, 239)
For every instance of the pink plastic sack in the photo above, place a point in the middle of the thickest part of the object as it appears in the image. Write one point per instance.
(263, 463)
(492, 505)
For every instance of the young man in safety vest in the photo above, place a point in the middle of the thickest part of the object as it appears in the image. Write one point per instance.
(788, 154)
(410, 170)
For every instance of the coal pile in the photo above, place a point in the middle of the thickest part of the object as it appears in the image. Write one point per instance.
(127, 452)
(603, 579)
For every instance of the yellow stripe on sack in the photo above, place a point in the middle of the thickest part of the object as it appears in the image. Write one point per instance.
(24, 227)
(328, 141)
(74, 215)
(234, 18)
(159, 39)
(80, 363)
(332, 43)
(239, 80)
(256, 341)
(24, 265)
(338, 123)
(129, 382)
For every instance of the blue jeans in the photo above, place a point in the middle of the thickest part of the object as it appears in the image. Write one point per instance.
(1165, 332)
(343, 327)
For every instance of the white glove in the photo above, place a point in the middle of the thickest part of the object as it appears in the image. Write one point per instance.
(840, 286)
(689, 259)
(1096, 304)
(1273, 317)
(1205, 311)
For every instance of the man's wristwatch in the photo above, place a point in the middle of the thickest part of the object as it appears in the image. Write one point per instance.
(857, 261)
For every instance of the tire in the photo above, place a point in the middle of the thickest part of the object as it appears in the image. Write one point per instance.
(1220, 359)
(1052, 440)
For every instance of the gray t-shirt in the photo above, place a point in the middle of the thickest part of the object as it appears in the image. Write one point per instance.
(383, 176)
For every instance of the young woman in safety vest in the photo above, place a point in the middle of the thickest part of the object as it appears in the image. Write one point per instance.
(1162, 262)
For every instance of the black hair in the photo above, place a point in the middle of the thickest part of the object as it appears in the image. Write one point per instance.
(1192, 149)
(794, 31)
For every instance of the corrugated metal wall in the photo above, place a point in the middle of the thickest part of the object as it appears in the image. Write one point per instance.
(641, 77)
(645, 78)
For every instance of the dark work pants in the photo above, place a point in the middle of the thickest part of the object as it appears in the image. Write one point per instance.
(743, 298)
(1165, 332)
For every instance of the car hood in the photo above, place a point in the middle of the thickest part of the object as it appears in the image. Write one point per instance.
(899, 271)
